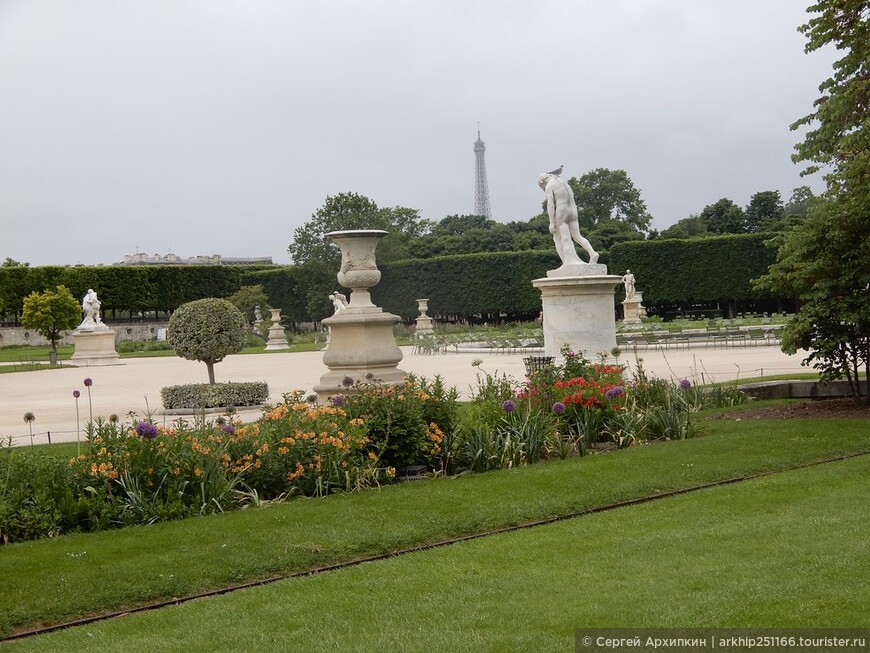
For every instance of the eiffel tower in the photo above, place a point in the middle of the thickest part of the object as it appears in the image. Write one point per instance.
(481, 189)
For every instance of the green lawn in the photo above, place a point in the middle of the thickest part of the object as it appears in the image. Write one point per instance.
(789, 550)
(54, 580)
(27, 358)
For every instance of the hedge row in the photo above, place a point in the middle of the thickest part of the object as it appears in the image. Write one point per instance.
(719, 268)
(217, 395)
(704, 270)
(125, 288)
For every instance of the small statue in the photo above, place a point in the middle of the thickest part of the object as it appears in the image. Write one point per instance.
(339, 301)
(258, 315)
(563, 219)
(91, 308)
(628, 281)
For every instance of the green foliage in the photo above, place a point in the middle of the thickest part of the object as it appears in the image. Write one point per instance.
(285, 287)
(724, 217)
(799, 202)
(825, 259)
(207, 330)
(603, 195)
(474, 234)
(705, 269)
(839, 134)
(405, 424)
(248, 299)
(51, 313)
(36, 496)
(764, 211)
(691, 227)
(214, 395)
(826, 263)
(488, 283)
(319, 258)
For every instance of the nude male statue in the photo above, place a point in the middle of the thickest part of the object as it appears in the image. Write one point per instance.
(91, 308)
(563, 219)
(628, 281)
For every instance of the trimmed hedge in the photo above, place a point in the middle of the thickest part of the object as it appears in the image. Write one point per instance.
(718, 268)
(134, 288)
(195, 396)
(714, 269)
(489, 283)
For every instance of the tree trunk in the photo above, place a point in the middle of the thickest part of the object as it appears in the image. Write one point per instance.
(210, 367)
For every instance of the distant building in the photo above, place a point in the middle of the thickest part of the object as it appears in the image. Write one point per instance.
(173, 259)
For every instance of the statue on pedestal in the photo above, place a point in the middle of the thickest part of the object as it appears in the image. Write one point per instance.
(628, 282)
(91, 308)
(339, 301)
(564, 224)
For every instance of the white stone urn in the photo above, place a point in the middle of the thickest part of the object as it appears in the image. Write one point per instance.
(422, 306)
(359, 271)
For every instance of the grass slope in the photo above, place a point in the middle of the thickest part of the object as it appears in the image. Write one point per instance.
(71, 576)
(782, 551)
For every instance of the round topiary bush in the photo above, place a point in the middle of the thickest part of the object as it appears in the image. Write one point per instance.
(207, 330)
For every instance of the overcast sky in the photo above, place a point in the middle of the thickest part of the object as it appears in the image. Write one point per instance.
(219, 126)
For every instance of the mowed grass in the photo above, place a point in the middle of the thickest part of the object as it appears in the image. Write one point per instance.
(789, 550)
(54, 580)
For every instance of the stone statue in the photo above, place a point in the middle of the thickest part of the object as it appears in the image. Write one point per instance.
(339, 301)
(91, 308)
(258, 315)
(563, 219)
(628, 281)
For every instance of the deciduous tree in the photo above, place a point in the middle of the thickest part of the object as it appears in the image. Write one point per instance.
(603, 194)
(51, 314)
(321, 258)
(825, 260)
(724, 217)
(765, 209)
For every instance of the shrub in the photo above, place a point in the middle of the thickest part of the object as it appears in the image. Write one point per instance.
(218, 395)
(207, 330)
(405, 424)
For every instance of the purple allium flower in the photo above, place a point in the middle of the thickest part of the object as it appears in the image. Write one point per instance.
(614, 392)
(509, 406)
(337, 400)
(89, 382)
(685, 384)
(558, 408)
(347, 381)
(229, 429)
(76, 394)
(146, 430)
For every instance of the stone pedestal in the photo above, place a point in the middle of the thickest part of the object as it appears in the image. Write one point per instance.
(362, 348)
(424, 322)
(95, 347)
(277, 339)
(633, 309)
(578, 310)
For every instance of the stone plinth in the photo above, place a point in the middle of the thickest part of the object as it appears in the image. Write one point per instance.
(95, 347)
(633, 309)
(578, 312)
(361, 347)
(277, 338)
(424, 322)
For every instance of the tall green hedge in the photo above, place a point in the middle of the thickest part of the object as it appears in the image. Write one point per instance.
(123, 288)
(719, 268)
(285, 288)
(488, 283)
